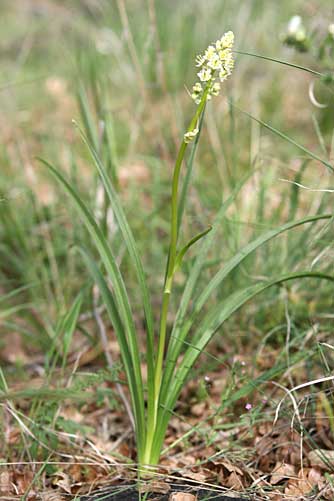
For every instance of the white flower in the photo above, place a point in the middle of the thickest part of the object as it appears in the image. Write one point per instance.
(227, 40)
(204, 75)
(216, 63)
(210, 51)
(190, 136)
(223, 75)
(197, 92)
(215, 89)
(200, 60)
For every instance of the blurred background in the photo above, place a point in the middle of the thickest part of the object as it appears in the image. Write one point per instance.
(122, 70)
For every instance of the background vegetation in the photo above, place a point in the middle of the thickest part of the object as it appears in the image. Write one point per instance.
(121, 69)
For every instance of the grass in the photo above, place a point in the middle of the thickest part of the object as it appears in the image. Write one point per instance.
(129, 98)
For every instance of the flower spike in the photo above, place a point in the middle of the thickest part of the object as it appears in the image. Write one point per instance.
(216, 63)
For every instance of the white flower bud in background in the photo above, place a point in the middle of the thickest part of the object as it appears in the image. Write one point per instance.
(331, 30)
(296, 28)
(294, 25)
(296, 35)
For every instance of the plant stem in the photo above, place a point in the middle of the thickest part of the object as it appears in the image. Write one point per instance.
(174, 231)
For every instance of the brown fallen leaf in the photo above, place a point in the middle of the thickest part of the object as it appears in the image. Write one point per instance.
(22, 481)
(198, 409)
(281, 472)
(182, 496)
(51, 496)
(13, 351)
(322, 458)
(6, 485)
(155, 486)
(234, 482)
(307, 480)
(63, 481)
(231, 467)
(199, 476)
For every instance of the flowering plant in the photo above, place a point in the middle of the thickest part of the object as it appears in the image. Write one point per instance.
(168, 353)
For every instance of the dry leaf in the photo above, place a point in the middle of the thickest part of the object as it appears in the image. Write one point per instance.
(63, 481)
(182, 496)
(51, 496)
(281, 472)
(308, 478)
(6, 486)
(23, 481)
(322, 458)
(198, 409)
(156, 486)
(13, 351)
(199, 476)
(231, 467)
(234, 482)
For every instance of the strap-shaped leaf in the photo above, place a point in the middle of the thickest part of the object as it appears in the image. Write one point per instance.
(180, 334)
(134, 385)
(182, 252)
(109, 261)
(135, 258)
(205, 332)
(286, 138)
(173, 346)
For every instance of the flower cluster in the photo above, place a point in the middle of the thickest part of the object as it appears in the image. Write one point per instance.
(216, 64)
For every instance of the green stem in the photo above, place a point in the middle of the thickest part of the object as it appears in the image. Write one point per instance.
(174, 231)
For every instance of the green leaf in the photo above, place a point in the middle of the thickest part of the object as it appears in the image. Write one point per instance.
(121, 297)
(286, 138)
(203, 335)
(181, 333)
(135, 259)
(286, 63)
(68, 325)
(134, 385)
(182, 252)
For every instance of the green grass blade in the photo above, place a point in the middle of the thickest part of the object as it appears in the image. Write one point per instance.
(200, 260)
(108, 299)
(11, 310)
(135, 258)
(223, 310)
(286, 138)
(286, 63)
(127, 235)
(86, 116)
(68, 325)
(15, 292)
(192, 280)
(179, 333)
(184, 250)
(205, 332)
(243, 254)
(121, 297)
(62, 338)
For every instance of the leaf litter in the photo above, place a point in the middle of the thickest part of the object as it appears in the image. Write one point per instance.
(90, 446)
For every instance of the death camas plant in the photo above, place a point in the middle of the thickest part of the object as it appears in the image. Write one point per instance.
(170, 356)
